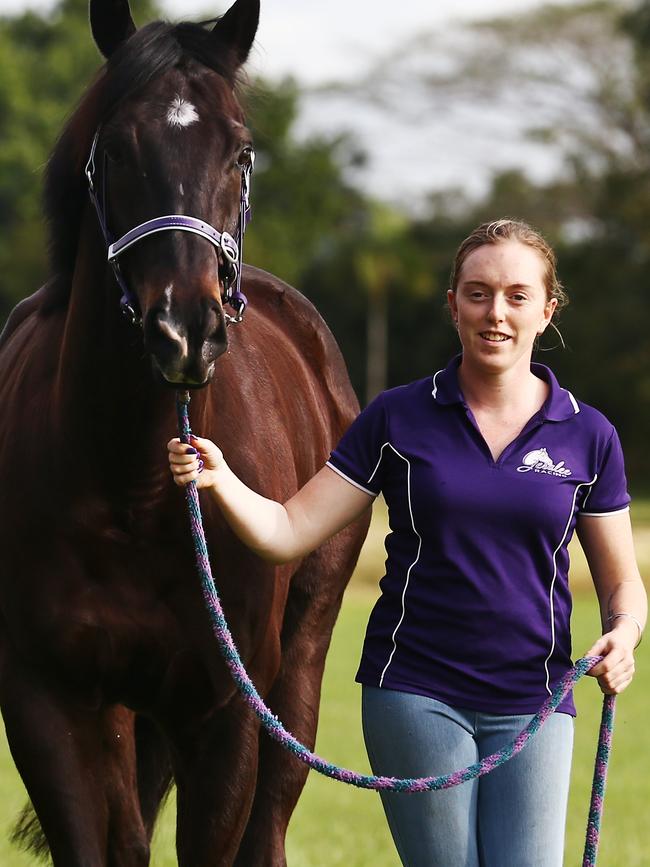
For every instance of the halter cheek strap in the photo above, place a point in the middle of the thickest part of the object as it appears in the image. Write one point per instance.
(231, 250)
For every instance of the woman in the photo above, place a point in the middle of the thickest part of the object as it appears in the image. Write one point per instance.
(487, 469)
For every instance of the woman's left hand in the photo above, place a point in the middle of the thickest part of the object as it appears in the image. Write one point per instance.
(616, 670)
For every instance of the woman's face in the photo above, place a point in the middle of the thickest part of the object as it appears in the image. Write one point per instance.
(500, 305)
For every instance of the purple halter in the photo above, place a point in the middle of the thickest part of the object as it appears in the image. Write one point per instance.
(231, 249)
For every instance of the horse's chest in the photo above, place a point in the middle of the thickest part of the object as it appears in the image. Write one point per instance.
(96, 612)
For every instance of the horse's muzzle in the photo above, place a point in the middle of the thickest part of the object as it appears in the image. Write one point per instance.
(184, 354)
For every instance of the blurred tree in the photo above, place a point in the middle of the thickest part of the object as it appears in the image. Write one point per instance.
(379, 290)
(46, 61)
(304, 203)
(575, 80)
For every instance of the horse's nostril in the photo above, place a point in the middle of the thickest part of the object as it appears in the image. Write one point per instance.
(212, 321)
(161, 328)
(175, 334)
(166, 337)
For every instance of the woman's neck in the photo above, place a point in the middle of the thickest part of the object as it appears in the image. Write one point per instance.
(515, 389)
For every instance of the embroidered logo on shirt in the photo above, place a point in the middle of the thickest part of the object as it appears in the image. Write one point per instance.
(539, 461)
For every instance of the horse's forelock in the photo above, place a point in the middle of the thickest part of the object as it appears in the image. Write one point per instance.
(158, 47)
(149, 53)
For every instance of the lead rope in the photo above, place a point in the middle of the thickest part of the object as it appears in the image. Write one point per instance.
(389, 784)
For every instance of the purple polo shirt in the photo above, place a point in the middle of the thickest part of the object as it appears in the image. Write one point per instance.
(475, 605)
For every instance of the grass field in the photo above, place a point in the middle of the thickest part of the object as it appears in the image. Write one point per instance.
(338, 826)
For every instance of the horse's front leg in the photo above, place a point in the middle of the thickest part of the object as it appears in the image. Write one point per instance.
(312, 608)
(215, 767)
(78, 765)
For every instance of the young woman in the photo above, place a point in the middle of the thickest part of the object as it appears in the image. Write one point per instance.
(487, 468)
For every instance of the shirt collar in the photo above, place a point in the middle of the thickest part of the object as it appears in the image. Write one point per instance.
(560, 404)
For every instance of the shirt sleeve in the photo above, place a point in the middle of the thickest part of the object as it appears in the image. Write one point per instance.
(609, 492)
(358, 456)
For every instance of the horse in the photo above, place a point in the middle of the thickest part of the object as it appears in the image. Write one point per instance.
(111, 684)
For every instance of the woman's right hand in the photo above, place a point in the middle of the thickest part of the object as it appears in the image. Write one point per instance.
(277, 532)
(197, 462)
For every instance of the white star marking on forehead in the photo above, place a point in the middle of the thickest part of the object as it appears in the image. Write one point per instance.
(181, 113)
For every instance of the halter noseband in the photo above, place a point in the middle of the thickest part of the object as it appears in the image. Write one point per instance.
(231, 249)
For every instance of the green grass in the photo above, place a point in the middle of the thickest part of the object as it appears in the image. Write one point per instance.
(353, 821)
(339, 826)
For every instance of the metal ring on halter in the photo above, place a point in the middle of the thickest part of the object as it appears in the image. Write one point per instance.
(90, 165)
(229, 248)
(240, 309)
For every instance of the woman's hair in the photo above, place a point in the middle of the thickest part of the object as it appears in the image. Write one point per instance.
(512, 230)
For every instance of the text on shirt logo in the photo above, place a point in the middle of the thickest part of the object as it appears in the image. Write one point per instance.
(539, 461)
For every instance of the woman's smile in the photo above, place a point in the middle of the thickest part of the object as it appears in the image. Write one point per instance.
(494, 336)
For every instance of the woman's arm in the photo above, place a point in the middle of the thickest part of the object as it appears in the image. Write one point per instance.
(608, 544)
(276, 532)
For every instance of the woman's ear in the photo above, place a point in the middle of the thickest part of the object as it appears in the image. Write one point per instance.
(549, 310)
(453, 306)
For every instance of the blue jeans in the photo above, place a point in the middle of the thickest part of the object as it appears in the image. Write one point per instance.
(513, 817)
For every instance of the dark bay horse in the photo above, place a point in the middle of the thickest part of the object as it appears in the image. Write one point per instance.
(111, 684)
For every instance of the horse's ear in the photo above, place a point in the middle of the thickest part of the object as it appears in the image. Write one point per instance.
(237, 28)
(111, 24)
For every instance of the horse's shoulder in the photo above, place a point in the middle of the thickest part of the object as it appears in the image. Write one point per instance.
(289, 307)
(295, 315)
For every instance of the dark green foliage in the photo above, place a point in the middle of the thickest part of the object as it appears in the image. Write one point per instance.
(303, 208)
(45, 64)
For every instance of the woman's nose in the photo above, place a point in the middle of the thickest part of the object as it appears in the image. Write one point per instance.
(497, 309)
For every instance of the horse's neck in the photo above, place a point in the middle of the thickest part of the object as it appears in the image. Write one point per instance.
(104, 382)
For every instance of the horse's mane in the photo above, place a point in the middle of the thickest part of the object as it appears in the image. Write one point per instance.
(151, 51)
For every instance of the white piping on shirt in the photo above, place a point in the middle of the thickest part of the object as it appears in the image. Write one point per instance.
(435, 387)
(605, 514)
(348, 479)
(417, 557)
(574, 402)
(551, 594)
(381, 454)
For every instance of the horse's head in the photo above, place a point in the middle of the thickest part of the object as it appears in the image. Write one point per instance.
(538, 457)
(173, 141)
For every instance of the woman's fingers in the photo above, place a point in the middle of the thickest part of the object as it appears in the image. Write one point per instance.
(182, 456)
(614, 673)
(188, 461)
(186, 478)
(616, 670)
(182, 460)
(178, 449)
(617, 678)
(616, 686)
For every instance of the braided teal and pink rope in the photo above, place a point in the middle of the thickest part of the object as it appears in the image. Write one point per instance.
(423, 784)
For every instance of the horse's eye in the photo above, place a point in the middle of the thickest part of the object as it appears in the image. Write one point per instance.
(245, 158)
(116, 154)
